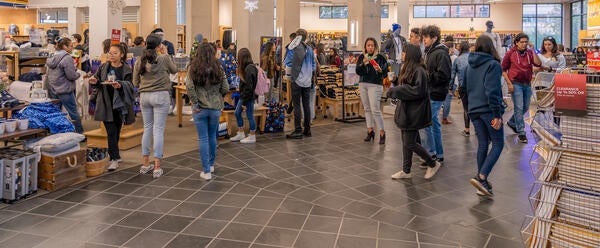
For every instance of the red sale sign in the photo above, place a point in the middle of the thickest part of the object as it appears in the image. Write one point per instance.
(570, 94)
(593, 60)
(115, 37)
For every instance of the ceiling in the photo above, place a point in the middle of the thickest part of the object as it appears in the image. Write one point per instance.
(327, 2)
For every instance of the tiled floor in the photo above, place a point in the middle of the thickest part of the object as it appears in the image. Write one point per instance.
(331, 190)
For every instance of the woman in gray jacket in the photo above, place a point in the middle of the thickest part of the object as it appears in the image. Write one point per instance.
(151, 75)
(62, 74)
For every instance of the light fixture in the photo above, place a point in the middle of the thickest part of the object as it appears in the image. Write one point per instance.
(251, 5)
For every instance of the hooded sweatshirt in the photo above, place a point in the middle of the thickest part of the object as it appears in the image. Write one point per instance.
(519, 65)
(62, 73)
(439, 67)
(482, 85)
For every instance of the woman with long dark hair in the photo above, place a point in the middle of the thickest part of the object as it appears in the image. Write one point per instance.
(268, 62)
(61, 77)
(321, 57)
(119, 74)
(413, 111)
(372, 68)
(484, 90)
(247, 72)
(151, 76)
(580, 56)
(551, 56)
(458, 71)
(334, 58)
(206, 85)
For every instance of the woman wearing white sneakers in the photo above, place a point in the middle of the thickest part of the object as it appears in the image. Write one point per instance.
(247, 72)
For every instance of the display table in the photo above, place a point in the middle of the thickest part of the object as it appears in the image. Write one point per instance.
(18, 134)
(180, 90)
(353, 108)
(130, 137)
(260, 114)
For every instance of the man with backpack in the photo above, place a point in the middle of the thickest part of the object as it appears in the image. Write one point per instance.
(302, 60)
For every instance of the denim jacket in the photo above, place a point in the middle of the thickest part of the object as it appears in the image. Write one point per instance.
(458, 70)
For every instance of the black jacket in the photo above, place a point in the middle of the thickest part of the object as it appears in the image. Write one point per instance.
(248, 85)
(413, 110)
(367, 72)
(439, 67)
(123, 98)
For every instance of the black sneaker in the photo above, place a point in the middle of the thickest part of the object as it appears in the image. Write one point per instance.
(295, 135)
(307, 133)
(441, 160)
(512, 127)
(290, 109)
(482, 186)
(522, 139)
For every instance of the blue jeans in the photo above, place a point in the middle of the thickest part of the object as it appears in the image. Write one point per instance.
(486, 134)
(431, 137)
(207, 124)
(155, 107)
(521, 98)
(249, 114)
(68, 101)
(447, 106)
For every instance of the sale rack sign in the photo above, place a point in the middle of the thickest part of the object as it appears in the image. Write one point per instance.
(570, 92)
(593, 60)
(115, 37)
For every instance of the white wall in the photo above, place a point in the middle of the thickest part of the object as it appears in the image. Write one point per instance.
(506, 17)
(309, 20)
(225, 13)
(72, 3)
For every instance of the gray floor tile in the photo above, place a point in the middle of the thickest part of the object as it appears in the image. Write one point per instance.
(83, 231)
(61, 243)
(131, 202)
(23, 240)
(52, 208)
(295, 206)
(171, 223)
(264, 203)
(150, 239)
(22, 222)
(217, 243)
(287, 220)
(387, 231)
(139, 219)
(149, 191)
(205, 197)
(109, 215)
(51, 226)
(176, 194)
(386, 243)
(124, 188)
(115, 235)
(189, 241)
(308, 239)
(277, 236)
(220, 213)
(234, 200)
(78, 196)
(160, 205)
(363, 228)
(103, 199)
(355, 242)
(189, 209)
(81, 211)
(361, 209)
(322, 224)
(323, 211)
(24, 206)
(5, 234)
(205, 227)
(253, 216)
(240, 232)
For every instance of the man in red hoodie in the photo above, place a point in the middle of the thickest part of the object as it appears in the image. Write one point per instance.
(517, 69)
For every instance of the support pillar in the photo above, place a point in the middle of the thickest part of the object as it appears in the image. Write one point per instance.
(249, 27)
(364, 20)
(202, 17)
(167, 20)
(403, 12)
(104, 17)
(288, 18)
(75, 20)
(147, 14)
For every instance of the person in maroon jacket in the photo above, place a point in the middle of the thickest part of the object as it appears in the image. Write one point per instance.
(517, 69)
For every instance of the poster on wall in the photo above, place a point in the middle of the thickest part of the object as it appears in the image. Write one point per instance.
(115, 37)
(593, 13)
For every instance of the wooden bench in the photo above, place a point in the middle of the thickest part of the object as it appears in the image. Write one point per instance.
(353, 108)
(260, 114)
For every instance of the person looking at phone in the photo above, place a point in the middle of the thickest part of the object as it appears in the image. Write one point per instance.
(372, 68)
(517, 69)
(484, 91)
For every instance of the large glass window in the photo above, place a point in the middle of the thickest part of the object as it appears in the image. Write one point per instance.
(54, 15)
(341, 12)
(451, 11)
(542, 20)
(385, 11)
(578, 20)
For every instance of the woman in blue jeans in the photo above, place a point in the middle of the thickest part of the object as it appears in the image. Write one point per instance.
(206, 85)
(484, 91)
(247, 72)
(151, 75)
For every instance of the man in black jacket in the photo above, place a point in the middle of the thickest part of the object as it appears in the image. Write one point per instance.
(439, 67)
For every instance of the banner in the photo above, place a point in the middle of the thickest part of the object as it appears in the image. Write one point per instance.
(593, 13)
(115, 37)
(570, 94)
(593, 60)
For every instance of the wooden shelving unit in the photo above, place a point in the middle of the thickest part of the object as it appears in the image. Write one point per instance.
(181, 36)
(471, 36)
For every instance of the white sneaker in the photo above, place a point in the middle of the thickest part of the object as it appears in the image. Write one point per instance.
(206, 176)
(249, 140)
(239, 136)
(431, 171)
(113, 165)
(401, 175)
(146, 169)
(212, 169)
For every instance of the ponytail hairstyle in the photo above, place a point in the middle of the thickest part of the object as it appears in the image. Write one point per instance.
(153, 41)
(123, 50)
(62, 43)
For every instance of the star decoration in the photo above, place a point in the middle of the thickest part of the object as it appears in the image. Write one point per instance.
(251, 5)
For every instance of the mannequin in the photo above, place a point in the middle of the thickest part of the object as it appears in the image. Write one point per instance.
(495, 37)
(393, 47)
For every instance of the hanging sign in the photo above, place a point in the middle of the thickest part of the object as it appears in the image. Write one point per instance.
(570, 94)
(115, 37)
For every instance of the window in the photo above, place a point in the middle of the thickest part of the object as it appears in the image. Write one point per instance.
(333, 12)
(452, 11)
(54, 15)
(578, 20)
(385, 11)
(542, 20)
(180, 12)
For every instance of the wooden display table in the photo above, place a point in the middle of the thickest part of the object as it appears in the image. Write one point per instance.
(260, 114)
(130, 137)
(353, 108)
(18, 134)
